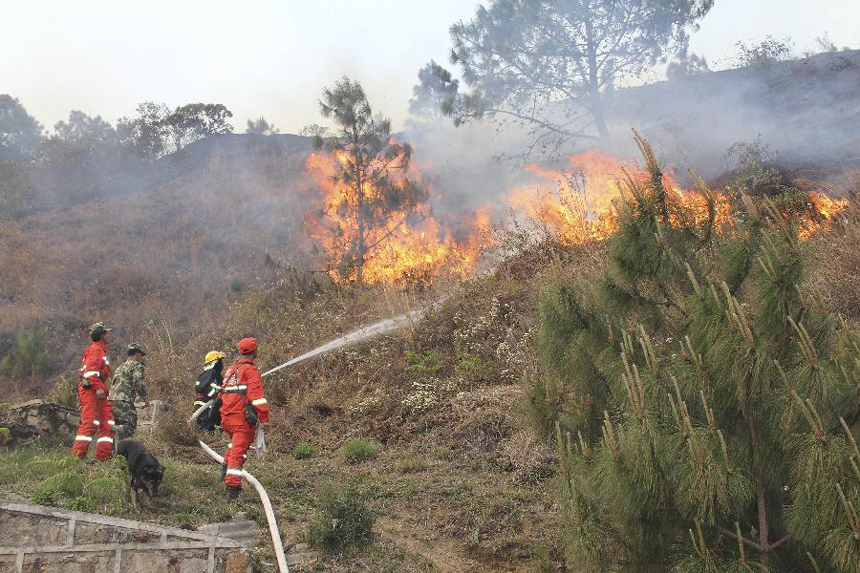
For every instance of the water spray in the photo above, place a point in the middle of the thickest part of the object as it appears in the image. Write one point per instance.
(360, 335)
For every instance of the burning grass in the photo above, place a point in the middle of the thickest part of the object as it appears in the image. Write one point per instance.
(405, 246)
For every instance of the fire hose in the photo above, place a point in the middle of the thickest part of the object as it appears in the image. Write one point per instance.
(264, 497)
(364, 333)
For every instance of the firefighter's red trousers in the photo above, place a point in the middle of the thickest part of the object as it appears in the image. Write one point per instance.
(241, 438)
(96, 419)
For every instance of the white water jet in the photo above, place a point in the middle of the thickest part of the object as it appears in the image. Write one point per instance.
(363, 333)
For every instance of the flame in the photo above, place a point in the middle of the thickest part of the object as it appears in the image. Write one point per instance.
(826, 206)
(578, 205)
(408, 246)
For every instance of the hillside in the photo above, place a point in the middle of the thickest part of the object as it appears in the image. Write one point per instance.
(164, 253)
(459, 480)
(162, 248)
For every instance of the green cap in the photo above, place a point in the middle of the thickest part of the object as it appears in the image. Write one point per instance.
(136, 347)
(98, 328)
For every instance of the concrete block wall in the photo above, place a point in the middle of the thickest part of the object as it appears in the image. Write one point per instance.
(37, 539)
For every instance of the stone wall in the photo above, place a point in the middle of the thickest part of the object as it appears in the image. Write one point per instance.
(39, 418)
(36, 539)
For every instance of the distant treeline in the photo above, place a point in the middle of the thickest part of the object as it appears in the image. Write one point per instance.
(86, 155)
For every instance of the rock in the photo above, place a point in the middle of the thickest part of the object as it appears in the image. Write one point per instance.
(238, 563)
(38, 418)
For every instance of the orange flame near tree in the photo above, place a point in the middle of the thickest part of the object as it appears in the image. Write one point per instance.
(579, 206)
(410, 245)
(576, 206)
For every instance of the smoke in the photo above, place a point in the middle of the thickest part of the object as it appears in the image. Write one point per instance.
(804, 110)
(461, 165)
(196, 229)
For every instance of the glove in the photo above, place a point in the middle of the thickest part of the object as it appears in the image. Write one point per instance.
(215, 412)
(251, 415)
(85, 384)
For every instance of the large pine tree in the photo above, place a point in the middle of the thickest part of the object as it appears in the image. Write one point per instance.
(370, 158)
(705, 407)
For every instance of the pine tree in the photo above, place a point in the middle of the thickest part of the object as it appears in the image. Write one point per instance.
(368, 158)
(705, 408)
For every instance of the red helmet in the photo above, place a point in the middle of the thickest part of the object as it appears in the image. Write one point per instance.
(247, 345)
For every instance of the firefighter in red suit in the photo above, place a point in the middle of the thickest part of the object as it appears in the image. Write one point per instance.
(96, 416)
(243, 407)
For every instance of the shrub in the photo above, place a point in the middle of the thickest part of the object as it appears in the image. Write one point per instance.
(443, 452)
(174, 428)
(356, 450)
(5, 436)
(344, 519)
(427, 362)
(66, 392)
(52, 491)
(16, 187)
(82, 503)
(44, 467)
(303, 451)
(719, 398)
(106, 491)
(237, 284)
(28, 357)
(469, 362)
(540, 561)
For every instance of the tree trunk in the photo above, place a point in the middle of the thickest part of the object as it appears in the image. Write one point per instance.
(763, 526)
(359, 265)
(596, 106)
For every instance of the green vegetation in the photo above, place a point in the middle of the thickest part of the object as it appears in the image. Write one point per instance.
(303, 451)
(29, 356)
(700, 397)
(64, 486)
(468, 362)
(50, 476)
(5, 436)
(237, 284)
(540, 560)
(356, 450)
(344, 520)
(424, 362)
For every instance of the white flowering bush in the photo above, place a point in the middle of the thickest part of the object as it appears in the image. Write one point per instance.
(492, 345)
(423, 398)
(368, 405)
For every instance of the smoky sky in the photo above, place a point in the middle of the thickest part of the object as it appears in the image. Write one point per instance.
(271, 58)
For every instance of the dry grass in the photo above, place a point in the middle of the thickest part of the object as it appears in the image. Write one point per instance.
(144, 263)
(833, 275)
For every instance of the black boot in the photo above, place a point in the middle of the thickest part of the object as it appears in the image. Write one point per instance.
(223, 471)
(233, 492)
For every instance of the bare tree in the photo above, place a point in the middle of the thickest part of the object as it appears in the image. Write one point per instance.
(546, 65)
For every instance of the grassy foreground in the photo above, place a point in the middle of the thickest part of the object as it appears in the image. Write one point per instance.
(437, 507)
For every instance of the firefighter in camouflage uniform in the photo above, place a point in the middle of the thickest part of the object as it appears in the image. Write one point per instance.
(127, 386)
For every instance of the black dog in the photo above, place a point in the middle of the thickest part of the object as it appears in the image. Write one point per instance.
(146, 472)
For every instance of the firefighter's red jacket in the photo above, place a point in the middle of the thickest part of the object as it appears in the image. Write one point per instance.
(243, 385)
(95, 367)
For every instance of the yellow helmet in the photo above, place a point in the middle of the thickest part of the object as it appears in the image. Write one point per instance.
(213, 355)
